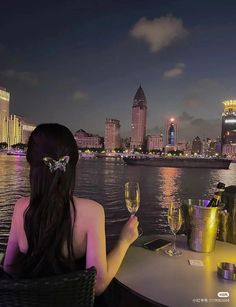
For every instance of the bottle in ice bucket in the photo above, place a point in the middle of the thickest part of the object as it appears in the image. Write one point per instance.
(215, 201)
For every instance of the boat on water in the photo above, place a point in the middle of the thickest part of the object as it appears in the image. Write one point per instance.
(215, 163)
(16, 153)
(109, 155)
(86, 156)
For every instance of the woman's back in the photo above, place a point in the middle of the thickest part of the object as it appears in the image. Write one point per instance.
(53, 230)
(85, 218)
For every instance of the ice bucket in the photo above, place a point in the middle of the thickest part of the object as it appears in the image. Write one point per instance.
(201, 224)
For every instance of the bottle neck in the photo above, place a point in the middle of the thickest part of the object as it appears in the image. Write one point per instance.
(217, 196)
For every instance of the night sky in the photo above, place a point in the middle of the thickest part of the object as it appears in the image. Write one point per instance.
(78, 62)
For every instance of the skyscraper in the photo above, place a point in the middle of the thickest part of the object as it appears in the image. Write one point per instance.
(112, 134)
(228, 134)
(12, 130)
(4, 109)
(139, 118)
(197, 146)
(171, 132)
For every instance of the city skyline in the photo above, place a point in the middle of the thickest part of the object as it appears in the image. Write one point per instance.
(79, 62)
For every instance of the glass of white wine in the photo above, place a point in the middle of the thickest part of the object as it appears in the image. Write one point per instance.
(132, 199)
(175, 219)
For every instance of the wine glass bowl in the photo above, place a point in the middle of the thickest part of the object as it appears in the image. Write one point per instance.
(132, 199)
(175, 219)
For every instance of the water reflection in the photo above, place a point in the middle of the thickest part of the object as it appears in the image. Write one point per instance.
(103, 181)
(169, 184)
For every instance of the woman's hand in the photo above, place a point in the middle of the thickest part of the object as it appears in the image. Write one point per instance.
(129, 232)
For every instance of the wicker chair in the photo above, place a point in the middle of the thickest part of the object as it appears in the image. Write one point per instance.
(68, 290)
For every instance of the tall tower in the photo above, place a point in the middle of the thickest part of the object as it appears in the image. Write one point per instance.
(4, 109)
(112, 134)
(171, 132)
(228, 135)
(139, 119)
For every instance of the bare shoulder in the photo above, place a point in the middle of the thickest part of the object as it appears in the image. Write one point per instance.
(22, 203)
(88, 206)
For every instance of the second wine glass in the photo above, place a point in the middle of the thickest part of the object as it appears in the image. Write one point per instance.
(174, 218)
(132, 199)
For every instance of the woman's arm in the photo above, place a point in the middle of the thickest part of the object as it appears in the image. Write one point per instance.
(107, 265)
(12, 250)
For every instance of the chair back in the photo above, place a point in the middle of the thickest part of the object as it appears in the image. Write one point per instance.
(67, 290)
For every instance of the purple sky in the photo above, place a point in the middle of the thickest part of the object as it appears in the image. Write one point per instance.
(78, 62)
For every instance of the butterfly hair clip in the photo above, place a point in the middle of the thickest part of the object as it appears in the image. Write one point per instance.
(56, 164)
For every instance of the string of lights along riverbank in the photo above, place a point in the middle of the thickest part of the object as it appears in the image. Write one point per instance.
(15, 131)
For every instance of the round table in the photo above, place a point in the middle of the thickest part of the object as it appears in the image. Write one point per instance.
(172, 281)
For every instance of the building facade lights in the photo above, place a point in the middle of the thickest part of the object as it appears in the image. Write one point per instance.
(12, 130)
(4, 110)
(171, 132)
(139, 119)
(228, 135)
(112, 134)
(87, 140)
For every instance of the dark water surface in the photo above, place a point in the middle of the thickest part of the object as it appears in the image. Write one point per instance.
(103, 180)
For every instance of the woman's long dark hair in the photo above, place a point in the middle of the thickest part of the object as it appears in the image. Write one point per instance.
(48, 221)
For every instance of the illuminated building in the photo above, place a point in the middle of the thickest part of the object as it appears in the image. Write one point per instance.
(171, 133)
(181, 145)
(213, 148)
(229, 150)
(218, 145)
(4, 109)
(155, 142)
(87, 140)
(27, 127)
(112, 134)
(12, 130)
(125, 143)
(197, 146)
(139, 118)
(205, 147)
(228, 134)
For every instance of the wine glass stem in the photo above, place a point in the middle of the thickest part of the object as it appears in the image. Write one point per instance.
(140, 231)
(174, 243)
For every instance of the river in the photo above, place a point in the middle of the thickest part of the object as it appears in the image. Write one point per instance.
(103, 180)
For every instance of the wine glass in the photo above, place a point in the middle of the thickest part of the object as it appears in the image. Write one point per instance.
(175, 219)
(132, 199)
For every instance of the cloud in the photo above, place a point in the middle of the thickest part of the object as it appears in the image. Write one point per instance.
(185, 116)
(190, 127)
(175, 72)
(205, 127)
(198, 122)
(154, 130)
(21, 76)
(79, 96)
(160, 32)
(199, 93)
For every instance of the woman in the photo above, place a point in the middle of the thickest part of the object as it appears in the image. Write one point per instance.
(52, 231)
